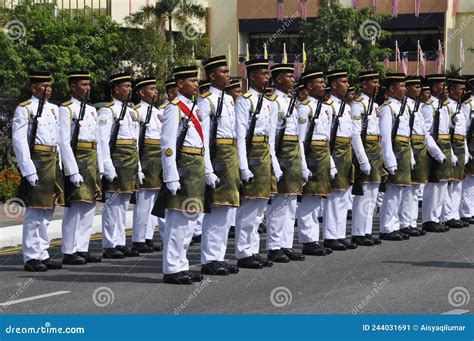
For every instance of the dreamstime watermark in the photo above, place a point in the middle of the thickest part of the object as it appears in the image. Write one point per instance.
(14, 30)
(461, 28)
(14, 208)
(103, 296)
(370, 30)
(199, 288)
(21, 289)
(191, 207)
(99, 34)
(458, 297)
(189, 32)
(282, 29)
(377, 288)
(281, 296)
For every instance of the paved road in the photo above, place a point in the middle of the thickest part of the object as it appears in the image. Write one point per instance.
(413, 276)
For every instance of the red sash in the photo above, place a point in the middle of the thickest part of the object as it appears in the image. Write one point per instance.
(193, 119)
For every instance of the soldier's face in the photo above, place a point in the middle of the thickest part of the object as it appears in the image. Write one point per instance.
(370, 85)
(80, 88)
(286, 81)
(220, 76)
(188, 86)
(37, 90)
(147, 93)
(123, 90)
(437, 88)
(350, 96)
(260, 78)
(340, 86)
(317, 87)
(425, 95)
(455, 91)
(414, 91)
(398, 90)
(172, 93)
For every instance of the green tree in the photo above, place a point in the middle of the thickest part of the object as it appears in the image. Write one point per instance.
(342, 37)
(168, 12)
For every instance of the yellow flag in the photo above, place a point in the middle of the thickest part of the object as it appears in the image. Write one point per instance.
(285, 56)
(304, 56)
(265, 51)
(247, 55)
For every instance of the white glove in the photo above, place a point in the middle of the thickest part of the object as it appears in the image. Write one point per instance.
(365, 168)
(333, 172)
(173, 187)
(141, 177)
(111, 176)
(307, 174)
(413, 163)
(454, 160)
(440, 158)
(76, 179)
(246, 174)
(278, 175)
(32, 179)
(392, 170)
(467, 158)
(212, 180)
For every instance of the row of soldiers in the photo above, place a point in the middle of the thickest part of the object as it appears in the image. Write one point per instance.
(217, 159)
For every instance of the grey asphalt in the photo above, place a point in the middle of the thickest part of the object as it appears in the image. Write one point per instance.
(413, 276)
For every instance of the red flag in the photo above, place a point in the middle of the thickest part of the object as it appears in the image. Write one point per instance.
(304, 9)
(374, 3)
(355, 3)
(386, 63)
(280, 10)
(395, 8)
(455, 7)
(417, 8)
(422, 62)
(129, 6)
(405, 62)
(297, 66)
(439, 59)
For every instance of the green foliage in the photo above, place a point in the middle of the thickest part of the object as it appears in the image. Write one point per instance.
(333, 39)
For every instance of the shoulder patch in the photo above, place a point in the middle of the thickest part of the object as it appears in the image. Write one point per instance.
(445, 102)
(108, 105)
(329, 102)
(206, 94)
(467, 101)
(359, 99)
(175, 101)
(387, 102)
(136, 106)
(305, 102)
(65, 104)
(247, 95)
(429, 102)
(302, 120)
(169, 152)
(164, 105)
(25, 103)
(273, 97)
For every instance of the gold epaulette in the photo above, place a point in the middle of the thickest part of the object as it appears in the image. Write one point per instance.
(247, 95)
(206, 94)
(305, 102)
(359, 99)
(386, 102)
(131, 105)
(429, 102)
(67, 103)
(272, 98)
(136, 107)
(467, 101)
(329, 102)
(163, 106)
(446, 102)
(25, 103)
(109, 105)
(175, 101)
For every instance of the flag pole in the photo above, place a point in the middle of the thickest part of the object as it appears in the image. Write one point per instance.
(418, 58)
(396, 55)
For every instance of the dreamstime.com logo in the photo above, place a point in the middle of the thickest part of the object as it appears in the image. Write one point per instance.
(458, 297)
(14, 30)
(281, 296)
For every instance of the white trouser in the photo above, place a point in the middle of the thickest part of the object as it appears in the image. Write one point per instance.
(233, 214)
(433, 196)
(198, 226)
(467, 197)
(380, 198)
(452, 201)
(406, 207)
(35, 237)
(391, 207)
(335, 215)
(308, 213)
(77, 227)
(363, 210)
(142, 218)
(247, 240)
(276, 221)
(215, 232)
(114, 219)
(177, 237)
(289, 228)
(350, 198)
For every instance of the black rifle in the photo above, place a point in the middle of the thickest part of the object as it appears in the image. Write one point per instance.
(396, 124)
(159, 207)
(25, 186)
(357, 188)
(453, 118)
(68, 186)
(469, 134)
(437, 117)
(312, 124)
(281, 131)
(214, 123)
(365, 116)
(253, 120)
(143, 128)
(335, 125)
(412, 113)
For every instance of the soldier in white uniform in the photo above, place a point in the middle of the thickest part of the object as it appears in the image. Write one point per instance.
(82, 168)
(441, 169)
(217, 110)
(41, 187)
(122, 170)
(336, 206)
(150, 160)
(256, 164)
(369, 164)
(289, 139)
(318, 160)
(467, 196)
(452, 202)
